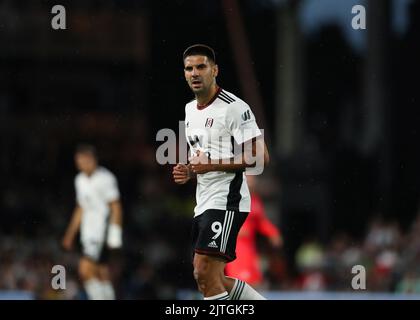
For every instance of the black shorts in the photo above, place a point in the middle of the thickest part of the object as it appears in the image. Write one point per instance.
(214, 233)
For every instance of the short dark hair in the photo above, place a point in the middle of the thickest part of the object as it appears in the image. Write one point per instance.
(86, 149)
(201, 50)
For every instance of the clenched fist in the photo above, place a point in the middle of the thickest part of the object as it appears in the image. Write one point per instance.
(181, 173)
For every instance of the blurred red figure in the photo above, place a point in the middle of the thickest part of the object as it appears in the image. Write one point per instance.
(246, 267)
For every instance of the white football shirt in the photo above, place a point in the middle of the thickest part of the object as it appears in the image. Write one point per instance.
(212, 129)
(93, 195)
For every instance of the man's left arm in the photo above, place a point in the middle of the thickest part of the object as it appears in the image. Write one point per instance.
(112, 197)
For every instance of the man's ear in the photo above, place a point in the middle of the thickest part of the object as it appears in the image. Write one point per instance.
(215, 70)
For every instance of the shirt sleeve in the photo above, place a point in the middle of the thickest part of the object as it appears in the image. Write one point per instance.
(110, 189)
(241, 122)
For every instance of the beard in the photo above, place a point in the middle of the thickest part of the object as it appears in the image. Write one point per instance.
(200, 90)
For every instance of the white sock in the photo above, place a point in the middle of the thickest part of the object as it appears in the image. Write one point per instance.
(94, 289)
(108, 290)
(220, 296)
(243, 291)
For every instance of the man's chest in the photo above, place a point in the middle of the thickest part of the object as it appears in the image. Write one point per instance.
(206, 126)
(89, 191)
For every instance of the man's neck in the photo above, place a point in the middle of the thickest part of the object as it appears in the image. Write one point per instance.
(90, 172)
(204, 99)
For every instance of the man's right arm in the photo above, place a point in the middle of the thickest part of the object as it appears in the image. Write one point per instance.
(72, 228)
(265, 226)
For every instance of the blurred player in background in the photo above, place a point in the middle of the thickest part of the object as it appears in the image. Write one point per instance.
(247, 265)
(215, 121)
(98, 217)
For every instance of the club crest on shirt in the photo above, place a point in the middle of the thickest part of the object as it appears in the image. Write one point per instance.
(209, 123)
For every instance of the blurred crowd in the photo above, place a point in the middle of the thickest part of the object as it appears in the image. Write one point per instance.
(390, 257)
(155, 263)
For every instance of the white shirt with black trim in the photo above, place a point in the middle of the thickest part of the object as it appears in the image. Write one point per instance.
(94, 193)
(212, 130)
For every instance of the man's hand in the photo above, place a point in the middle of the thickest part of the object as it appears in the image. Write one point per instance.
(114, 236)
(67, 242)
(181, 173)
(201, 163)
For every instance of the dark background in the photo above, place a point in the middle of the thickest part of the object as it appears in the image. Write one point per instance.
(341, 125)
